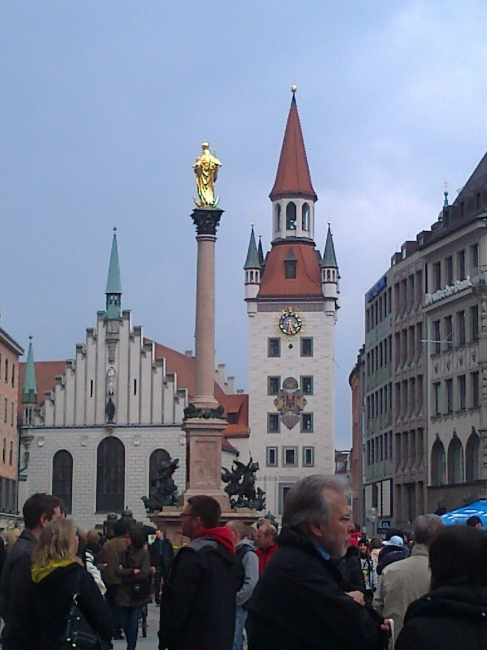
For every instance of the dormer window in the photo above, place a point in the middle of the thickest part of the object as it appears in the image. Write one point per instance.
(305, 216)
(291, 216)
(278, 217)
(290, 266)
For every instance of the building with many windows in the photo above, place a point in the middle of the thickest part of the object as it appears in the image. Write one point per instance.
(292, 301)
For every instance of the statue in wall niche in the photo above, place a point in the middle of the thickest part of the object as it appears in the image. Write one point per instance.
(163, 490)
(110, 410)
(240, 486)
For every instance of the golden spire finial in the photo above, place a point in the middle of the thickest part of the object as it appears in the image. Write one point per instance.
(294, 88)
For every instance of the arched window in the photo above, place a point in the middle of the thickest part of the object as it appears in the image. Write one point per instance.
(62, 477)
(251, 276)
(156, 457)
(305, 216)
(438, 463)
(472, 458)
(455, 461)
(291, 216)
(278, 217)
(110, 476)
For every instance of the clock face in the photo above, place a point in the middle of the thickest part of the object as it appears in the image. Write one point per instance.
(290, 323)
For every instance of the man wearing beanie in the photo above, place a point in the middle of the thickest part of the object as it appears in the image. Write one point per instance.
(198, 603)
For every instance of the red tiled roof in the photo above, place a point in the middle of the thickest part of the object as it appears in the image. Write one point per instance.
(293, 177)
(308, 273)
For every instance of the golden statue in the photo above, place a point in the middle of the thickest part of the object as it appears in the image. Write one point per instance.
(206, 170)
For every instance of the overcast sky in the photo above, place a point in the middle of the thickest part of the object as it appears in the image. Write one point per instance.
(104, 105)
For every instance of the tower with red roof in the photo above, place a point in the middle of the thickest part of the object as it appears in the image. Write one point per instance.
(292, 301)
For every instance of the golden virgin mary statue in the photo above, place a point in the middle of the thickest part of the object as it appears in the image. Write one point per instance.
(206, 170)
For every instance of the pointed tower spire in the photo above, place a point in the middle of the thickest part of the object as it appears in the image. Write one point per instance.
(114, 284)
(252, 261)
(260, 251)
(293, 178)
(29, 390)
(329, 258)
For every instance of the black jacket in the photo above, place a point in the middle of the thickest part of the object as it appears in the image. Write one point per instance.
(448, 618)
(300, 603)
(198, 601)
(52, 598)
(15, 594)
(388, 555)
(162, 560)
(351, 570)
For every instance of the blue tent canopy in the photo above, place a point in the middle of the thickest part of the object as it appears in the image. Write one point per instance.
(461, 515)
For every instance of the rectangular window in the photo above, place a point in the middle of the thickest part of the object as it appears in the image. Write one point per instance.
(437, 398)
(449, 395)
(419, 340)
(12, 412)
(272, 456)
(474, 323)
(474, 259)
(11, 454)
(462, 275)
(5, 410)
(437, 336)
(91, 387)
(13, 375)
(462, 392)
(273, 385)
(307, 422)
(306, 347)
(290, 456)
(437, 276)
(449, 270)
(135, 386)
(449, 332)
(307, 385)
(272, 423)
(6, 371)
(461, 327)
(308, 456)
(274, 347)
(474, 380)
(290, 269)
(4, 451)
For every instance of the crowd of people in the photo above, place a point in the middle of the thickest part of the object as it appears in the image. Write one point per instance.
(319, 584)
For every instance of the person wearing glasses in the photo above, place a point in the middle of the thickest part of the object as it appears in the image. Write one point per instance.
(198, 602)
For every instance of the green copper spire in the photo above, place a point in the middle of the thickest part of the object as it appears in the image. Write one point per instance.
(252, 261)
(329, 258)
(114, 284)
(29, 391)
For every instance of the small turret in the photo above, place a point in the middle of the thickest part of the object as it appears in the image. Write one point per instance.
(29, 389)
(114, 284)
(330, 275)
(252, 268)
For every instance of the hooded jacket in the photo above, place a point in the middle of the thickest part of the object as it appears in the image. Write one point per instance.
(52, 591)
(453, 617)
(246, 554)
(300, 603)
(198, 602)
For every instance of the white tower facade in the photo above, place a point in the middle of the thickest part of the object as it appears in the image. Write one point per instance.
(292, 302)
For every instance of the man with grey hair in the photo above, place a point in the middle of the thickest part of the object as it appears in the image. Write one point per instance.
(301, 600)
(409, 579)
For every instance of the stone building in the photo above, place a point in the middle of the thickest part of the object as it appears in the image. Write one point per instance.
(10, 351)
(292, 300)
(96, 426)
(357, 385)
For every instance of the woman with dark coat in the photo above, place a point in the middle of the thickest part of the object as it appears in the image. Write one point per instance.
(57, 574)
(453, 615)
(134, 569)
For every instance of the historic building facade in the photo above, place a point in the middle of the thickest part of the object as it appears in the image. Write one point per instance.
(357, 385)
(96, 426)
(10, 351)
(292, 300)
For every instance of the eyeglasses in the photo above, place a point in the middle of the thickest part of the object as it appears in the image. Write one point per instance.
(187, 514)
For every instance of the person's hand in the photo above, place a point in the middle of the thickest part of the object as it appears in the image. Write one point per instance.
(153, 570)
(136, 571)
(120, 566)
(357, 596)
(386, 625)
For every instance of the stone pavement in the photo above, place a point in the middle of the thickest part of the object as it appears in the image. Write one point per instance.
(152, 640)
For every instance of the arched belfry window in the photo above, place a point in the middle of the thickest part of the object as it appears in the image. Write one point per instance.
(305, 216)
(455, 461)
(278, 217)
(472, 458)
(110, 476)
(438, 463)
(291, 216)
(157, 456)
(62, 477)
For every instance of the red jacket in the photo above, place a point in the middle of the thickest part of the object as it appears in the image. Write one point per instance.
(265, 556)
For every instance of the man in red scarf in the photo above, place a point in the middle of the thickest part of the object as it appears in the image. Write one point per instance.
(198, 602)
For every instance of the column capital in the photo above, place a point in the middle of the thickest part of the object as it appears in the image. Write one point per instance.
(206, 220)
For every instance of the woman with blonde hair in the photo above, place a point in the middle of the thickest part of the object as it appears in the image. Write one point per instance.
(57, 574)
(13, 535)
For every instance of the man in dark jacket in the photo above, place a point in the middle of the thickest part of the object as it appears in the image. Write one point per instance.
(393, 551)
(300, 602)
(16, 585)
(198, 603)
(161, 555)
